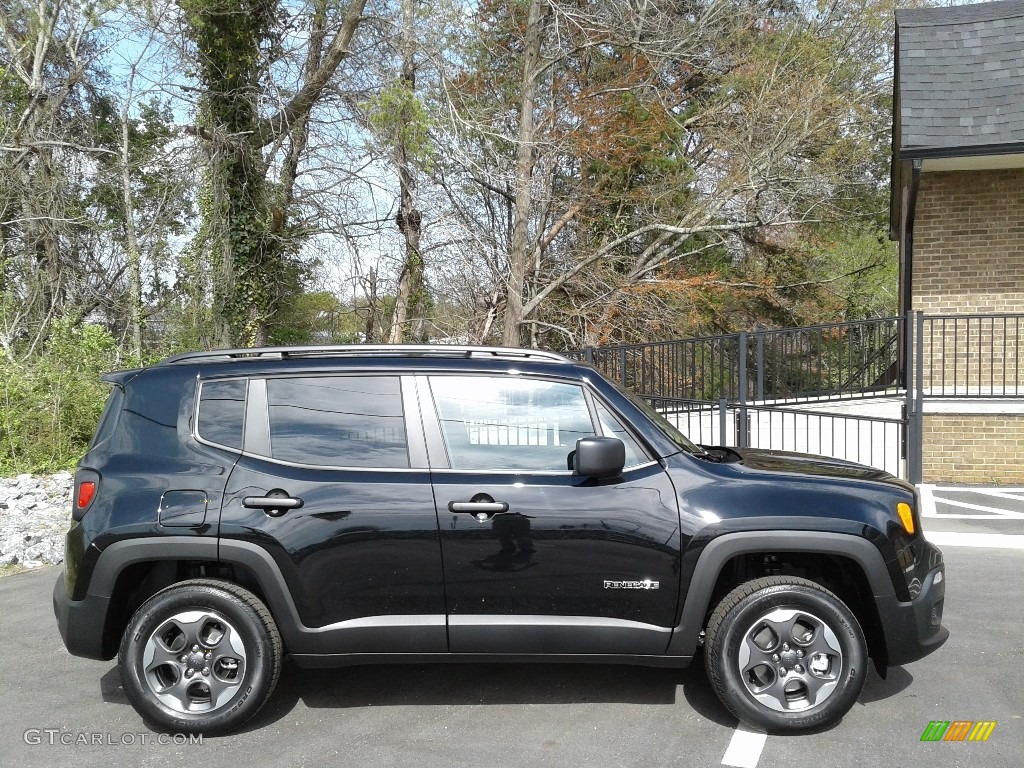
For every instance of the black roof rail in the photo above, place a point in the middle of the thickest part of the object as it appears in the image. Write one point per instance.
(364, 350)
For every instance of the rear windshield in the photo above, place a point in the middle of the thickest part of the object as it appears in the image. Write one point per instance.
(111, 413)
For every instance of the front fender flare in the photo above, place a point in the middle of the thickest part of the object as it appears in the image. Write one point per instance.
(686, 635)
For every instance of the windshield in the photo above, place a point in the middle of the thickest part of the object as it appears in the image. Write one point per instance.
(666, 426)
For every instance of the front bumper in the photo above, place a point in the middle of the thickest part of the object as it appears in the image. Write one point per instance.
(914, 629)
(81, 622)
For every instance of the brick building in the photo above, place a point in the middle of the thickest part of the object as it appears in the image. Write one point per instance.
(957, 211)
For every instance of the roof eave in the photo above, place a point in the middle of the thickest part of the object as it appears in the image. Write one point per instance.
(973, 150)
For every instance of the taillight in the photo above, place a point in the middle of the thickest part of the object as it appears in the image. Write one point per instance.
(85, 493)
(87, 483)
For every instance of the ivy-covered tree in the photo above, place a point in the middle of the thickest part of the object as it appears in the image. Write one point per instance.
(247, 137)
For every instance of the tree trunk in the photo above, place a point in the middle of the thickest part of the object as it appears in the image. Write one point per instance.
(131, 242)
(519, 254)
(410, 309)
(370, 332)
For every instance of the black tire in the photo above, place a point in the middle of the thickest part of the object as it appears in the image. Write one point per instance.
(784, 654)
(202, 656)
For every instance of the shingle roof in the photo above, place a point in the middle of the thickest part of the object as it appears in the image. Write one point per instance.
(960, 78)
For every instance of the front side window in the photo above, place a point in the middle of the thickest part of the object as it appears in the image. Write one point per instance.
(510, 423)
(338, 421)
(222, 412)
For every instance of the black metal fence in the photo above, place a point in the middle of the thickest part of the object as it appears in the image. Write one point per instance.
(963, 357)
(823, 361)
(849, 390)
(871, 438)
(970, 356)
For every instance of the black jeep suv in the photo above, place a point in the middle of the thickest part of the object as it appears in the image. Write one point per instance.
(348, 505)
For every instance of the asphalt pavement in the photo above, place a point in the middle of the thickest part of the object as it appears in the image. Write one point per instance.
(59, 710)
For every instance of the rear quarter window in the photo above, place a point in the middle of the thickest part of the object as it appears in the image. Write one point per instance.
(221, 416)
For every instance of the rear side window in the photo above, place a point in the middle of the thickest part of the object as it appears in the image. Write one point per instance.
(338, 421)
(222, 412)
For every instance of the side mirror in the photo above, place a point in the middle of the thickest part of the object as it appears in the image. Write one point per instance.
(599, 456)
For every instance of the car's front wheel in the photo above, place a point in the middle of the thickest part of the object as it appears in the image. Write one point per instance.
(785, 654)
(201, 656)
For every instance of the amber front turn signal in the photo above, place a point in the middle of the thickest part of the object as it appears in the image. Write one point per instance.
(906, 516)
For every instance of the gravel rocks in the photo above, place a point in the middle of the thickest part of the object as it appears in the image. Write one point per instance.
(35, 512)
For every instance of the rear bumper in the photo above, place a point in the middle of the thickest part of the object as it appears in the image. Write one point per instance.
(914, 629)
(80, 622)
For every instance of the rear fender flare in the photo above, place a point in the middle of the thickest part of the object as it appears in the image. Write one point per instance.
(121, 554)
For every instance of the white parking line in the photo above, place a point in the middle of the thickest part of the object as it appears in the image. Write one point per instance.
(930, 497)
(993, 491)
(745, 748)
(997, 512)
(992, 540)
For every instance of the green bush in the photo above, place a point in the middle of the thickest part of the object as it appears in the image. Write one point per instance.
(51, 402)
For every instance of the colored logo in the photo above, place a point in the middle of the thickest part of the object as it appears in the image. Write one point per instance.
(958, 730)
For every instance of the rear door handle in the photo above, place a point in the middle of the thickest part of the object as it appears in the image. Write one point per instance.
(275, 503)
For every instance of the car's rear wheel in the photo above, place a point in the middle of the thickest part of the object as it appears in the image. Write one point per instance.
(201, 656)
(785, 654)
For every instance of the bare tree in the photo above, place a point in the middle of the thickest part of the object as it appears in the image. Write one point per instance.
(641, 141)
(48, 56)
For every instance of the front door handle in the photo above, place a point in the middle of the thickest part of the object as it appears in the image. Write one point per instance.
(490, 507)
(481, 510)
